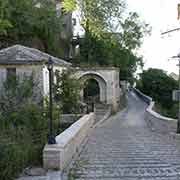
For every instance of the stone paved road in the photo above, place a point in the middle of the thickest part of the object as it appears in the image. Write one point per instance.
(124, 148)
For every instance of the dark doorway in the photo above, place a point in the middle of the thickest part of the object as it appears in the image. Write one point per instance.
(91, 91)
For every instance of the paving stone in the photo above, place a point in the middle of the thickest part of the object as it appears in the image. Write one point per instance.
(123, 147)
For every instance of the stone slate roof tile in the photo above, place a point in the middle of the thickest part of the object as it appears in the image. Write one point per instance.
(19, 54)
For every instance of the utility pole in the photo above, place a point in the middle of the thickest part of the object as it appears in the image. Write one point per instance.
(170, 31)
(178, 58)
(178, 123)
(175, 29)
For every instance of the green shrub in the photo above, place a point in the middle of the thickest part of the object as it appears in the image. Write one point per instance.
(158, 85)
(22, 145)
(24, 127)
(67, 92)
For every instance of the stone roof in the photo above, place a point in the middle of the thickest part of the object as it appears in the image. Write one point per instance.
(97, 68)
(21, 55)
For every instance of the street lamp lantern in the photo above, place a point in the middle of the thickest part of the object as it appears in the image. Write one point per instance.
(51, 138)
(50, 64)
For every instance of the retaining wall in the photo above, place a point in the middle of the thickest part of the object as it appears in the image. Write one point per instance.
(59, 155)
(70, 118)
(156, 121)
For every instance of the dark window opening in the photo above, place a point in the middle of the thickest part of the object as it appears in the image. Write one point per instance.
(11, 74)
(91, 91)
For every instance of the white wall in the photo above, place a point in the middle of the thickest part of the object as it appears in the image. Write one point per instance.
(45, 81)
(22, 71)
(68, 144)
(37, 73)
(46, 78)
(2, 76)
(40, 72)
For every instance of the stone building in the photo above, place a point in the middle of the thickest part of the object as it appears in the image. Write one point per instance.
(24, 61)
(20, 61)
(107, 79)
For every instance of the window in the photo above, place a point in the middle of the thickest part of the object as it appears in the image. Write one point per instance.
(11, 73)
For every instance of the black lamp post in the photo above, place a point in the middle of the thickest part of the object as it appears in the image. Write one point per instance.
(51, 138)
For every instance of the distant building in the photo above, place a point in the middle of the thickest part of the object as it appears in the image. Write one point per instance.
(174, 76)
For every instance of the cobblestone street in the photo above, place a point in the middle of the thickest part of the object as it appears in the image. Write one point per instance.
(124, 147)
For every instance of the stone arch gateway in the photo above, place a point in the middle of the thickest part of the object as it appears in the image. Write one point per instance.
(108, 81)
(101, 82)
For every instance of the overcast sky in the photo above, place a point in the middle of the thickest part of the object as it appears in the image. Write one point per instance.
(162, 16)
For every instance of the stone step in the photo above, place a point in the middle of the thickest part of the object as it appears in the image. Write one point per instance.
(124, 148)
(129, 178)
(127, 172)
(121, 163)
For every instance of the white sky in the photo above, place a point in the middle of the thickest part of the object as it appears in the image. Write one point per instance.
(162, 16)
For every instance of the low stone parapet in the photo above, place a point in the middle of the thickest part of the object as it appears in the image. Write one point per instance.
(59, 155)
(144, 97)
(156, 121)
(70, 118)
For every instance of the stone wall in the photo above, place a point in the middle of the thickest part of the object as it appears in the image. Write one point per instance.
(25, 70)
(68, 145)
(156, 121)
(144, 97)
(36, 71)
(2, 76)
(108, 80)
(40, 73)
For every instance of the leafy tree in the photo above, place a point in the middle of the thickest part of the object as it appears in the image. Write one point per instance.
(133, 31)
(69, 5)
(23, 130)
(4, 26)
(26, 22)
(24, 126)
(67, 91)
(98, 16)
(47, 26)
(109, 52)
(16, 93)
(4, 23)
(91, 91)
(112, 35)
(157, 84)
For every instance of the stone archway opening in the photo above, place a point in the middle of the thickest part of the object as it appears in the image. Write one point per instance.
(91, 91)
(108, 81)
(94, 86)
